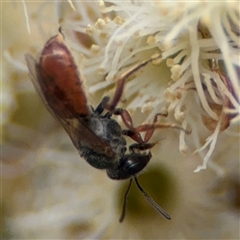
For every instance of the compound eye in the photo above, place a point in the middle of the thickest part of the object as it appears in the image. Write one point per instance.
(129, 166)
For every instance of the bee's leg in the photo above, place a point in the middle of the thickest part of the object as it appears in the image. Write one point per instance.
(136, 136)
(149, 128)
(121, 82)
(137, 147)
(134, 133)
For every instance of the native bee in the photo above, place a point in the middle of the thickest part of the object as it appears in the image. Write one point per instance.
(99, 138)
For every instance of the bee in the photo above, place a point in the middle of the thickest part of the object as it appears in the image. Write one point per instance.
(99, 138)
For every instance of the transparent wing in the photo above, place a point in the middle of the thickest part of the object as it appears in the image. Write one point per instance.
(76, 127)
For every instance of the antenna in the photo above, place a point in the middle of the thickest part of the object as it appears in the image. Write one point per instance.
(124, 202)
(151, 201)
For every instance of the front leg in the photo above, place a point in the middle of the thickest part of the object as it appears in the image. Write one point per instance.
(140, 146)
(136, 136)
(126, 117)
(149, 128)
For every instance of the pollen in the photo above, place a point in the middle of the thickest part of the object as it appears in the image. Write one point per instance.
(90, 30)
(95, 49)
(176, 72)
(118, 20)
(100, 23)
(151, 40)
(170, 62)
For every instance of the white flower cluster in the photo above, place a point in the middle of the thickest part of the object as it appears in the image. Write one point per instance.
(197, 80)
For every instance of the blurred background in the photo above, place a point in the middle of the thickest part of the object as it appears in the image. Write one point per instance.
(49, 192)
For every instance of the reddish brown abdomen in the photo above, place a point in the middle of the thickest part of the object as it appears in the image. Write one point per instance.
(61, 83)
